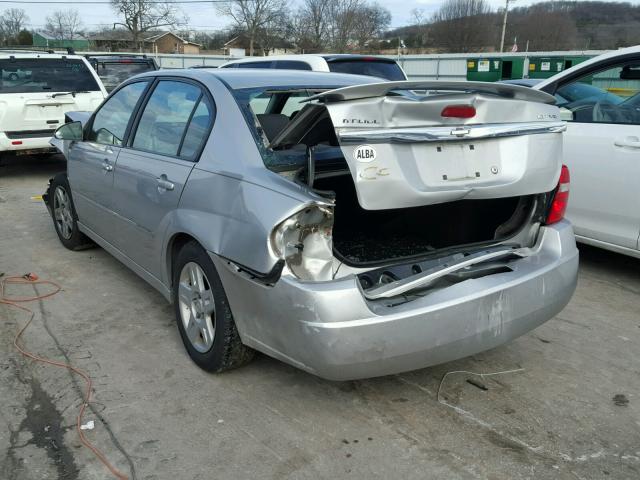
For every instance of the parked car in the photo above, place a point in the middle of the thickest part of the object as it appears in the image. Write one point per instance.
(346, 227)
(600, 98)
(36, 90)
(115, 69)
(380, 67)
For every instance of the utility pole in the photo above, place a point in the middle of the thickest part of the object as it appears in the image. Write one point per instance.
(504, 23)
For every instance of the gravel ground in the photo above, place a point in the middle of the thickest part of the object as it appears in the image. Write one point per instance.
(573, 412)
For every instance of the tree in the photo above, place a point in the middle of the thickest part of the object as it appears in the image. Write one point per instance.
(463, 26)
(251, 16)
(64, 24)
(371, 23)
(13, 20)
(343, 17)
(24, 38)
(311, 24)
(140, 16)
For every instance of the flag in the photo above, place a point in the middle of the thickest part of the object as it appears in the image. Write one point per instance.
(515, 45)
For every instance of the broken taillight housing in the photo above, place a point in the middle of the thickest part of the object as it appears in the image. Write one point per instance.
(305, 242)
(458, 111)
(560, 198)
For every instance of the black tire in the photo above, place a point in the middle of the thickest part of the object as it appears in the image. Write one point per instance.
(70, 236)
(227, 350)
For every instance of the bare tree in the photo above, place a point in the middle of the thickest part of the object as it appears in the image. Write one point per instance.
(371, 23)
(343, 17)
(463, 26)
(141, 16)
(312, 23)
(64, 24)
(253, 15)
(13, 20)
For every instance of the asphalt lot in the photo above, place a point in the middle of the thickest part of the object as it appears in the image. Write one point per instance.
(572, 413)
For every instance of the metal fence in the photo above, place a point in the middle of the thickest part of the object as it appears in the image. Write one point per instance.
(417, 67)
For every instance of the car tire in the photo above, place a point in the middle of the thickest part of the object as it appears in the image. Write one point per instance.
(63, 213)
(203, 313)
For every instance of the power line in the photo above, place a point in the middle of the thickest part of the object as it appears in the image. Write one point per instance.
(106, 2)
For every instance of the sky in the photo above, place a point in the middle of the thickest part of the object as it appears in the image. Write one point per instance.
(204, 17)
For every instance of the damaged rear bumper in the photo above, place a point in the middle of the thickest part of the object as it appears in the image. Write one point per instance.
(331, 330)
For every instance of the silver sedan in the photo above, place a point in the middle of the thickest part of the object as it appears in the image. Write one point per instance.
(346, 227)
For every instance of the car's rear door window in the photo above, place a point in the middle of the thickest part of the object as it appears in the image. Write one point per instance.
(166, 116)
(28, 75)
(198, 129)
(110, 122)
(370, 67)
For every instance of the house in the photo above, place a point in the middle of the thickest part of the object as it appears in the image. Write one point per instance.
(48, 40)
(150, 42)
(167, 42)
(276, 46)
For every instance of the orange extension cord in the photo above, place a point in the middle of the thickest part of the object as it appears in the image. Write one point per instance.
(32, 279)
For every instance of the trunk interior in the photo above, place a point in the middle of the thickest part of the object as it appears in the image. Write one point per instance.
(374, 237)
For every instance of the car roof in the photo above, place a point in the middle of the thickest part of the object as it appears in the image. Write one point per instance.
(105, 57)
(42, 55)
(239, 78)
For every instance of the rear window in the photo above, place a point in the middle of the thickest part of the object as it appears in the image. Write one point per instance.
(113, 74)
(292, 65)
(28, 75)
(372, 68)
(255, 65)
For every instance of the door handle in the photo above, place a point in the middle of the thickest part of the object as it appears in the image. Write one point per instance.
(165, 184)
(629, 142)
(106, 166)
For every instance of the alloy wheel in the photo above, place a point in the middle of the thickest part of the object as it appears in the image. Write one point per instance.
(197, 307)
(62, 213)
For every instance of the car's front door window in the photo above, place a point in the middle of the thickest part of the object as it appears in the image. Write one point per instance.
(606, 96)
(110, 123)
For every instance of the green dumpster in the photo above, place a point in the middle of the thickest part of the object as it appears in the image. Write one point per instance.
(495, 68)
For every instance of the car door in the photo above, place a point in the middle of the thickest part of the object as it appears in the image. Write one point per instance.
(602, 151)
(91, 162)
(152, 170)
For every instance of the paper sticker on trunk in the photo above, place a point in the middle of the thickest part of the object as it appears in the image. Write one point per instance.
(483, 65)
(364, 153)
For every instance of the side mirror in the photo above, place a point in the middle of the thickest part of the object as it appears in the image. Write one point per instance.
(69, 131)
(566, 114)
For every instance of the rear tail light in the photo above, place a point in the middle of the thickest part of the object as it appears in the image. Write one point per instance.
(560, 198)
(458, 111)
(16, 142)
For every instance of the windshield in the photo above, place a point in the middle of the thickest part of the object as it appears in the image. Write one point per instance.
(113, 74)
(372, 68)
(28, 75)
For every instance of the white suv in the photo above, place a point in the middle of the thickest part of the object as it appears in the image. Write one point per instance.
(36, 90)
(385, 68)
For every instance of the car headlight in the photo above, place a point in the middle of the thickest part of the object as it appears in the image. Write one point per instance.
(305, 242)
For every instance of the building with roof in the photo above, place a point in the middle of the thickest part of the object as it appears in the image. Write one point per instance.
(151, 42)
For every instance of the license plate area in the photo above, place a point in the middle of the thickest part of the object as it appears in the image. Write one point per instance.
(460, 162)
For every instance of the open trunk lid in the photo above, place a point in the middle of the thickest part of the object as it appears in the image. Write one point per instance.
(403, 151)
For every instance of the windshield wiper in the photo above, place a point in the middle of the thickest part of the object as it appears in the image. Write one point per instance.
(73, 94)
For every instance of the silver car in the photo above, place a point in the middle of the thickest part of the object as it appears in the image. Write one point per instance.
(349, 228)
